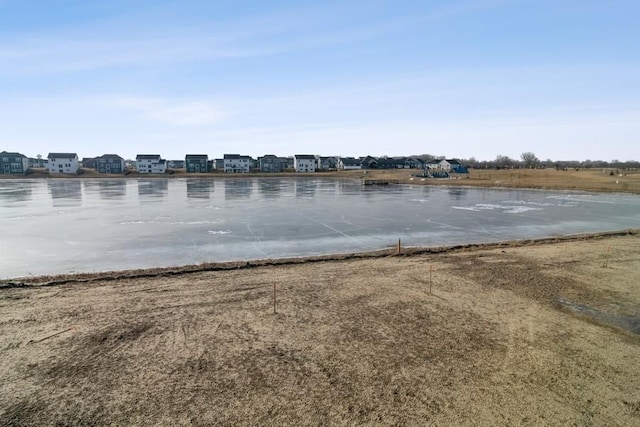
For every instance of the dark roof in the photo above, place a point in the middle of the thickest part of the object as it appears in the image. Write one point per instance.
(148, 157)
(387, 161)
(305, 156)
(11, 154)
(235, 157)
(351, 161)
(453, 161)
(110, 156)
(268, 156)
(196, 157)
(61, 155)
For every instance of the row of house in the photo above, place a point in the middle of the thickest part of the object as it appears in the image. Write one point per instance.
(68, 163)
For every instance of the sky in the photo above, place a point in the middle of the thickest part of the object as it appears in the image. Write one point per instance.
(457, 78)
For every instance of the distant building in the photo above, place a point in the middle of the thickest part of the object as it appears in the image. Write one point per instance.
(110, 163)
(453, 166)
(270, 163)
(37, 162)
(196, 163)
(89, 162)
(327, 163)
(288, 162)
(63, 163)
(305, 163)
(218, 164)
(13, 163)
(150, 163)
(175, 164)
(386, 163)
(349, 163)
(235, 163)
(369, 162)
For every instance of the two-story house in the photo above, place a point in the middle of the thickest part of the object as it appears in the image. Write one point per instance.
(63, 163)
(196, 163)
(305, 163)
(110, 163)
(13, 163)
(270, 163)
(150, 163)
(327, 163)
(235, 163)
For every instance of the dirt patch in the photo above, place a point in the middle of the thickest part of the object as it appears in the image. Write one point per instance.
(355, 341)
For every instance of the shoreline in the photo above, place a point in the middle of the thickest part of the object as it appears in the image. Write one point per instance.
(114, 275)
(592, 180)
(524, 332)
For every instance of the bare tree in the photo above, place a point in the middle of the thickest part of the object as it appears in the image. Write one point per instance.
(503, 162)
(529, 159)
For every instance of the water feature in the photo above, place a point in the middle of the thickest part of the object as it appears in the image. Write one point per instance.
(84, 225)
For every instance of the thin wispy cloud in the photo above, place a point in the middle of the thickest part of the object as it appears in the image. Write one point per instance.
(173, 112)
(101, 46)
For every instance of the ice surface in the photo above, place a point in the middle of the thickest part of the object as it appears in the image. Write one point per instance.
(85, 225)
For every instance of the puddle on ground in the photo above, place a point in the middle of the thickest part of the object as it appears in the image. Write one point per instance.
(628, 323)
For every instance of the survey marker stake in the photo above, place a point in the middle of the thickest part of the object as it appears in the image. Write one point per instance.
(274, 299)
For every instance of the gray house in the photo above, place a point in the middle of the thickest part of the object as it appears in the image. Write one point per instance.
(13, 163)
(37, 162)
(110, 163)
(196, 163)
(327, 163)
(287, 162)
(89, 162)
(175, 164)
(270, 163)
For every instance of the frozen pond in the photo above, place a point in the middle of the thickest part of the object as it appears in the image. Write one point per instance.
(85, 225)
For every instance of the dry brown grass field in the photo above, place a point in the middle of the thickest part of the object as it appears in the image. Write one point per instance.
(537, 334)
(583, 179)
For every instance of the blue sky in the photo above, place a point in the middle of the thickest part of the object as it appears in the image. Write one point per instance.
(468, 78)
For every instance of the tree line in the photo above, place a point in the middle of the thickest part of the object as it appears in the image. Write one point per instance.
(530, 161)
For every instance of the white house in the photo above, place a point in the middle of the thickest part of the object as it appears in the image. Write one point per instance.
(63, 162)
(349, 163)
(150, 163)
(305, 163)
(452, 165)
(235, 163)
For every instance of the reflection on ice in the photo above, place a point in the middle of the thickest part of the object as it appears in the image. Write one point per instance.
(152, 188)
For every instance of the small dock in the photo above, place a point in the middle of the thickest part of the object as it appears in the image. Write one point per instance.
(379, 181)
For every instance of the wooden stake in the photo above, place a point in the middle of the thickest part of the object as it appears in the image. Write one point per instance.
(430, 271)
(274, 299)
(399, 246)
(606, 257)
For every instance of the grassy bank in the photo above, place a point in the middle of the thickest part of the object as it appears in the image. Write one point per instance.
(503, 335)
